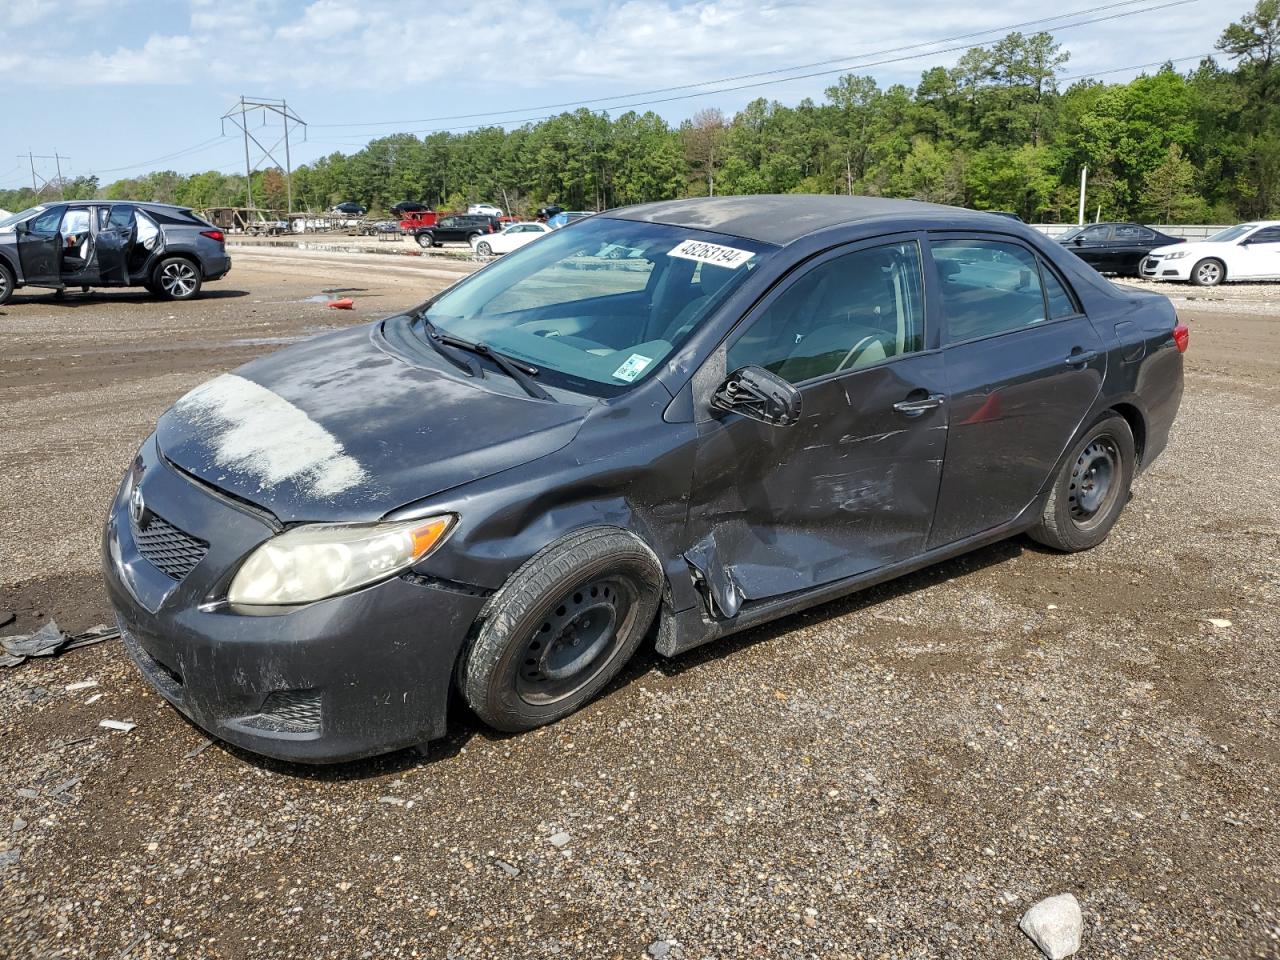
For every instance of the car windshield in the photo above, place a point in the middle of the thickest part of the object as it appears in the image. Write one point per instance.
(1232, 233)
(18, 217)
(592, 321)
(1074, 231)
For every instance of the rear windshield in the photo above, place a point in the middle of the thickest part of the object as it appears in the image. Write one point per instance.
(599, 306)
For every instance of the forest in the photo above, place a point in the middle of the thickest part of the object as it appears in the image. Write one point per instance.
(1005, 128)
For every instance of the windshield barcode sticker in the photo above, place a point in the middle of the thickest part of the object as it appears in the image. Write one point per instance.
(712, 253)
(632, 367)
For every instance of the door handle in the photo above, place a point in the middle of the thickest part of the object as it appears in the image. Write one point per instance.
(1078, 358)
(913, 408)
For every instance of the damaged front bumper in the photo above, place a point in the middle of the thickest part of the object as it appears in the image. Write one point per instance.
(334, 680)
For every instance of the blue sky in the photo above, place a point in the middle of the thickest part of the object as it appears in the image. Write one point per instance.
(113, 84)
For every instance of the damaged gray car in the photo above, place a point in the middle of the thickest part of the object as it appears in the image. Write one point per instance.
(773, 402)
(96, 243)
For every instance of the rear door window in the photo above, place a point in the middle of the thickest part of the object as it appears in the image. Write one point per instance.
(988, 287)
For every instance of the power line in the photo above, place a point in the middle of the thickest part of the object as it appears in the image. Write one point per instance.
(1134, 66)
(774, 72)
(202, 145)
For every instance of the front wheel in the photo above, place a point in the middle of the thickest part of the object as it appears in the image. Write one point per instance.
(1091, 489)
(7, 284)
(424, 241)
(484, 249)
(178, 279)
(561, 628)
(1208, 273)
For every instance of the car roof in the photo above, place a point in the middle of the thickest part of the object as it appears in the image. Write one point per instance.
(147, 204)
(783, 218)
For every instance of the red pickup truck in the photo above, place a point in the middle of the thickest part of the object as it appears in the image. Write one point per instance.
(416, 220)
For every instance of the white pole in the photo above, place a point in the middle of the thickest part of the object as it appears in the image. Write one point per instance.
(1084, 174)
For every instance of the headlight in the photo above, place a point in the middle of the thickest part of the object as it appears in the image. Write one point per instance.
(1176, 255)
(324, 559)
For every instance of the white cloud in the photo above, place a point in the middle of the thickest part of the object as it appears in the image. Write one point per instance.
(438, 50)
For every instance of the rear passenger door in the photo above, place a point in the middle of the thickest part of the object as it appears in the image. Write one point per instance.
(1023, 367)
(115, 235)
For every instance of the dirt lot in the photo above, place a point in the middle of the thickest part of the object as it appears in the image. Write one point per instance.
(895, 775)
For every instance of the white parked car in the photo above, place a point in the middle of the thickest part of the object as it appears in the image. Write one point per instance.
(485, 209)
(1247, 251)
(516, 235)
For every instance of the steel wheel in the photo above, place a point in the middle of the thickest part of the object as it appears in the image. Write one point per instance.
(1208, 273)
(576, 639)
(178, 279)
(1094, 485)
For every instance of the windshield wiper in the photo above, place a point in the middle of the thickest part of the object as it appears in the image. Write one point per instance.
(521, 373)
(435, 337)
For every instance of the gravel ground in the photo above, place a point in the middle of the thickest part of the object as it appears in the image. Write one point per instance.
(899, 774)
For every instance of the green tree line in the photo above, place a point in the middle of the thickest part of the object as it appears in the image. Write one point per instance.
(993, 132)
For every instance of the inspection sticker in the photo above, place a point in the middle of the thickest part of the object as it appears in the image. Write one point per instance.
(712, 253)
(632, 367)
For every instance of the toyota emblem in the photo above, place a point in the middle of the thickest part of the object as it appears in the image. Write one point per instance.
(137, 506)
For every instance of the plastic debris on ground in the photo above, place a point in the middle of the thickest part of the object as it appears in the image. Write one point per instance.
(49, 640)
(123, 726)
(346, 303)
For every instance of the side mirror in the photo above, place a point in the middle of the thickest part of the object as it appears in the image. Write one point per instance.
(1077, 239)
(760, 395)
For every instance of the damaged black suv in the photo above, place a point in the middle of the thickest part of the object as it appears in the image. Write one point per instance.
(768, 403)
(98, 243)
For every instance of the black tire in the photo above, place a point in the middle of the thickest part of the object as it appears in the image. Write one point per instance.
(1209, 272)
(7, 283)
(597, 589)
(1091, 489)
(484, 248)
(472, 236)
(426, 241)
(177, 278)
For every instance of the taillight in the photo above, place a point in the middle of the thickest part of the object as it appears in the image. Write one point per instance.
(213, 235)
(1181, 337)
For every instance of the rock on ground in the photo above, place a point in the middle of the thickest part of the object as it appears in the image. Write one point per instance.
(1054, 925)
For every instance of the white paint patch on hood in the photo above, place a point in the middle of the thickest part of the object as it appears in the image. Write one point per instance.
(258, 432)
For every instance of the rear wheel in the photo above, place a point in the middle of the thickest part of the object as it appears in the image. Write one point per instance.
(1091, 489)
(561, 628)
(7, 284)
(1208, 273)
(177, 279)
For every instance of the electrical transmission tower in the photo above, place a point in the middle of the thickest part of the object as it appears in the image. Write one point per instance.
(239, 116)
(38, 183)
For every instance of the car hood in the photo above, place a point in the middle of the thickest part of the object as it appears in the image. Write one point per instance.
(1191, 247)
(342, 428)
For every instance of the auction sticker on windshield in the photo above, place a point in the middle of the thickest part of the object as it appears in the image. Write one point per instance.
(712, 253)
(632, 367)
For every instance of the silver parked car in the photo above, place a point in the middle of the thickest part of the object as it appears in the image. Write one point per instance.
(97, 243)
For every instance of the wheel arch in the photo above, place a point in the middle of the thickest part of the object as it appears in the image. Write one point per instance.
(1137, 424)
(186, 255)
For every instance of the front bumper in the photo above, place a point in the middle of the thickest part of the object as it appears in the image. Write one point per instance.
(1158, 268)
(342, 678)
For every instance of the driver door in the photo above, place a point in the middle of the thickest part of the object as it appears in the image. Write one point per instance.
(852, 485)
(40, 247)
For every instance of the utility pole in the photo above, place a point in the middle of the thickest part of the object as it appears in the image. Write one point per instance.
(239, 114)
(1084, 176)
(38, 182)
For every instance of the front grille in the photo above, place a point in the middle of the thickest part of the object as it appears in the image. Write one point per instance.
(289, 711)
(170, 550)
